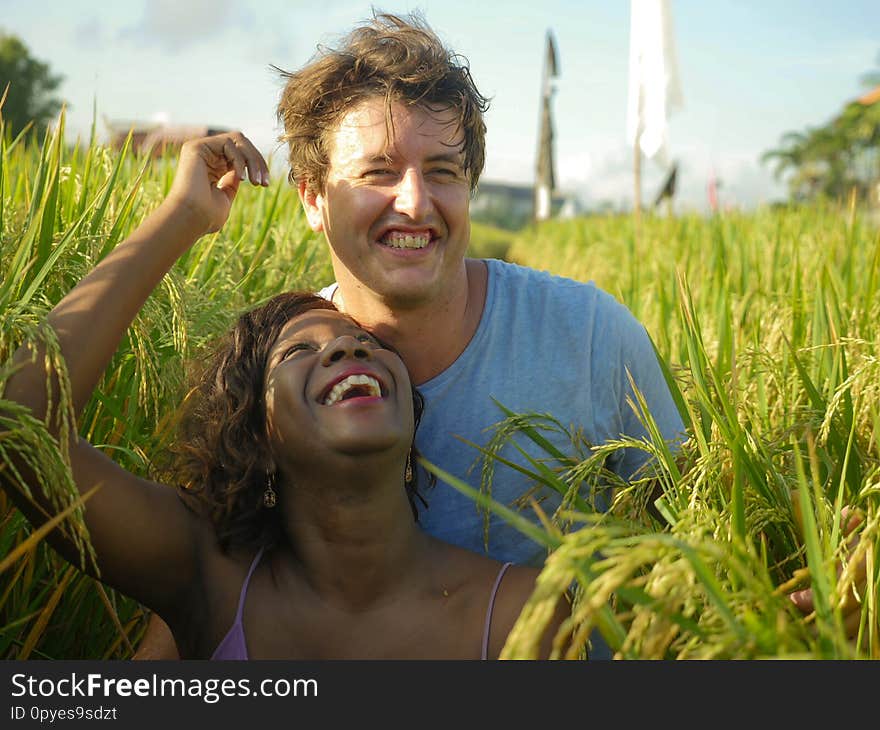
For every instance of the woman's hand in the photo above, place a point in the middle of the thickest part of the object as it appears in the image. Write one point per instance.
(852, 572)
(208, 175)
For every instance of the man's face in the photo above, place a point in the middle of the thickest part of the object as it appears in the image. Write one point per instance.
(395, 210)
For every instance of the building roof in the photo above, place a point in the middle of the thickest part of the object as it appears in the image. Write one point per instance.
(147, 135)
(872, 97)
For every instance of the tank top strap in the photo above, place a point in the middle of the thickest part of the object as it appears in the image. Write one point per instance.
(244, 586)
(488, 626)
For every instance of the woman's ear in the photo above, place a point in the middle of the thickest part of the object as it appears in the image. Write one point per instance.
(313, 204)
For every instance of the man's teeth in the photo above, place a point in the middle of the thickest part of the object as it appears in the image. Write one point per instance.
(399, 240)
(367, 384)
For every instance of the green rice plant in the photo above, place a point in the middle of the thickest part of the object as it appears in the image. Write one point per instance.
(767, 327)
(62, 208)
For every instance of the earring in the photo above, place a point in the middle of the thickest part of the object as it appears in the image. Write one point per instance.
(408, 474)
(269, 496)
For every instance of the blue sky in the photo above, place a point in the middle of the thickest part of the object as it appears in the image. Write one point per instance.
(750, 71)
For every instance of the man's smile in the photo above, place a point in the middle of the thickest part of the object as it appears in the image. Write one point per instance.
(409, 239)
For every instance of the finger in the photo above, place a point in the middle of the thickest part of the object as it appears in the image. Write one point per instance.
(248, 157)
(850, 604)
(234, 157)
(851, 623)
(256, 162)
(803, 600)
(850, 520)
(854, 581)
(229, 183)
(853, 564)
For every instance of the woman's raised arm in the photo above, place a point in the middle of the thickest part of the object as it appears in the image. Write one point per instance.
(138, 528)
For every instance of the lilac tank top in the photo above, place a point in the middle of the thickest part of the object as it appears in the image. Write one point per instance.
(234, 645)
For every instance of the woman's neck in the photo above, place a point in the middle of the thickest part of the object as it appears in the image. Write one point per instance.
(352, 539)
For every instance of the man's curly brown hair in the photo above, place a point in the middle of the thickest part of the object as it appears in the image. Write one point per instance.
(390, 58)
(219, 458)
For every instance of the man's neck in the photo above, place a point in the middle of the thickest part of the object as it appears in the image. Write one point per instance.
(429, 335)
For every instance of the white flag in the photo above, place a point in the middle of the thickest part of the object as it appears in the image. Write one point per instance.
(545, 183)
(654, 87)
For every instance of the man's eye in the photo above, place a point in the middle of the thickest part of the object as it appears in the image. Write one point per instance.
(368, 339)
(378, 172)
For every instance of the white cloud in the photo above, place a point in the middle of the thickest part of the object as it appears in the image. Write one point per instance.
(174, 25)
(89, 33)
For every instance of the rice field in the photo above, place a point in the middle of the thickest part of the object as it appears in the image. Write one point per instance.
(766, 324)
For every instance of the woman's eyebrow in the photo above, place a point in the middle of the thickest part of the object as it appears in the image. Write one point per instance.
(282, 343)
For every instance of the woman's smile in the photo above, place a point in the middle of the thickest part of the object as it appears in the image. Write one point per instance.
(358, 384)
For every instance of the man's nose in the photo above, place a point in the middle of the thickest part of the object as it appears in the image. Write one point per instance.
(412, 197)
(342, 347)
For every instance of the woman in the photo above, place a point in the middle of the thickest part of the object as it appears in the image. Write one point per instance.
(295, 537)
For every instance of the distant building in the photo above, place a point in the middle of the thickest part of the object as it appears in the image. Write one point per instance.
(512, 206)
(156, 137)
(872, 97)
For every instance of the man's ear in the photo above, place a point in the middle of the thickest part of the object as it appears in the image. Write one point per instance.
(313, 204)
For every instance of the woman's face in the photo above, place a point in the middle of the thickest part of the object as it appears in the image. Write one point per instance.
(330, 388)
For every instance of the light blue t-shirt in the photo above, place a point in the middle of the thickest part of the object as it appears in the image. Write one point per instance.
(545, 344)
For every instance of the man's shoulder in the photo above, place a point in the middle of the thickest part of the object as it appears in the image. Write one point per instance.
(541, 288)
(507, 274)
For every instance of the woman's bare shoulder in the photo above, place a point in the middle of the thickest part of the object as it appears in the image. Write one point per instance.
(518, 585)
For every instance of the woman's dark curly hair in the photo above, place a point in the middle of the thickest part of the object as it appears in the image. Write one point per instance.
(219, 458)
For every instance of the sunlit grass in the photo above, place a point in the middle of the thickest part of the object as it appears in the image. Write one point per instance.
(62, 209)
(766, 324)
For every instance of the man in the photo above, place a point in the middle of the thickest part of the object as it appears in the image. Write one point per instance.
(386, 139)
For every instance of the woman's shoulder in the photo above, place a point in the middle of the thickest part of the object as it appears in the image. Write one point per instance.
(518, 587)
(209, 608)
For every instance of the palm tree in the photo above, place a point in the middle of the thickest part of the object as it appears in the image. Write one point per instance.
(836, 158)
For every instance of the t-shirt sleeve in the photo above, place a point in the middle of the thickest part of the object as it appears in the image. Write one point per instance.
(638, 357)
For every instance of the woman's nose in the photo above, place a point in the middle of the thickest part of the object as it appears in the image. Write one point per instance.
(342, 347)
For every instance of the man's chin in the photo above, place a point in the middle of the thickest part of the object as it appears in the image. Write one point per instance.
(417, 286)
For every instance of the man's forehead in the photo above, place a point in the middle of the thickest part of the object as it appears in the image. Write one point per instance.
(366, 134)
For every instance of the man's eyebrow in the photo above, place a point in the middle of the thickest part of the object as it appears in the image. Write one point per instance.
(454, 158)
(374, 159)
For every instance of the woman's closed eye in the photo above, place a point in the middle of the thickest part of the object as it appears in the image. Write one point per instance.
(296, 347)
(368, 339)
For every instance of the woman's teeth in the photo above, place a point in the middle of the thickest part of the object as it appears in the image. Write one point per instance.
(367, 386)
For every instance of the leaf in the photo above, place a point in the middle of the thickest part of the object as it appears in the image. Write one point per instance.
(36, 632)
(45, 529)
